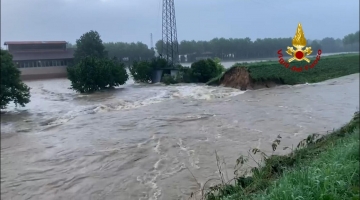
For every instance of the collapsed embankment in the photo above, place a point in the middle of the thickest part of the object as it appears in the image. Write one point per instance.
(269, 74)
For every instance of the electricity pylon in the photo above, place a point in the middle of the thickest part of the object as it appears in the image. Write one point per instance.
(170, 46)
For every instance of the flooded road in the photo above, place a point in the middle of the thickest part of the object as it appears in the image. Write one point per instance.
(140, 142)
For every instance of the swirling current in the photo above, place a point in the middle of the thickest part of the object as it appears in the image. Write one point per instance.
(141, 142)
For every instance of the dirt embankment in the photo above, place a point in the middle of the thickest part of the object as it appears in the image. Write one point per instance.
(239, 77)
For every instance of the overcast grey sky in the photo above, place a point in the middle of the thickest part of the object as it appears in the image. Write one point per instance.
(134, 20)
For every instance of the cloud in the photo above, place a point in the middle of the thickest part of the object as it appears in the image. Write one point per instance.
(134, 20)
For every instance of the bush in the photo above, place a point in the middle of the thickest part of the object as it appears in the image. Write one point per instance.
(184, 74)
(159, 63)
(219, 66)
(200, 71)
(168, 79)
(12, 88)
(92, 74)
(142, 71)
(204, 70)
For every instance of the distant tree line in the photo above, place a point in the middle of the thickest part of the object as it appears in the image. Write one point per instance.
(227, 49)
(244, 48)
(129, 52)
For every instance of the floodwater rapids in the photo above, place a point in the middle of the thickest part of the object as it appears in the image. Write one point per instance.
(142, 142)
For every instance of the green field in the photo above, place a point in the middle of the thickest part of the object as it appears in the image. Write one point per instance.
(327, 68)
(325, 169)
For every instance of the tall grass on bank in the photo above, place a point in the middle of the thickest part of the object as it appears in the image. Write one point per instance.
(327, 68)
(334, 175)
(321, 167)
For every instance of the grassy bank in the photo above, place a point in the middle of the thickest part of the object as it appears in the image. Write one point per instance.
(327, 68)
(334, 175)
(324, 167)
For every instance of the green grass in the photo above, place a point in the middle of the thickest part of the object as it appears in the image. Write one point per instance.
(327, 68)
(334, 175)
(326, 168)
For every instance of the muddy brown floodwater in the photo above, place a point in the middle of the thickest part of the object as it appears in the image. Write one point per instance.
(137, 141)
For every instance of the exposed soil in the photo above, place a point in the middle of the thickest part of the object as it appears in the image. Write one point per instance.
(239, 77)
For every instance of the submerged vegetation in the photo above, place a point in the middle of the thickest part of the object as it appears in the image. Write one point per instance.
(142, 71)
(320, 167)
(327, 68)
(200, 71)
(93, 70)
(93, 74)
(204, 70)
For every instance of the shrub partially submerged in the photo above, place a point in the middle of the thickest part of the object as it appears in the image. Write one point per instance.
(168, 79)
(204, 70)
(200, 71)
(93, 74)
(142, 71)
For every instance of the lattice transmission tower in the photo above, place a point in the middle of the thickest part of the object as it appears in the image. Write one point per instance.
(151, 41)
(170, 45)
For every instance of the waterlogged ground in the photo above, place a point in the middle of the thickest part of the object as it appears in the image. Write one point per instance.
(141, 142)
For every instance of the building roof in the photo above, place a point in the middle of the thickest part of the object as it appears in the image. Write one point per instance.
(34, 42)
(43, 55)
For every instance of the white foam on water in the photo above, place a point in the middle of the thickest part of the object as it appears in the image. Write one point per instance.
(198, 92)
(7, 128)
(151, 183)
(81, 110)
(204, 92)
(173, 171)
(182, 92)
(149, 179)
(157, 147)
(193, 158)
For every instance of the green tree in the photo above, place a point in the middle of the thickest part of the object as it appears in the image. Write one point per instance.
(141, 71)
(92, 74)
(352, 41)
(184, 74)
(89, 44)
(315, 46)
(12, 88)
(159, 63)
(204, 70)
(219, 66)
(158, 46)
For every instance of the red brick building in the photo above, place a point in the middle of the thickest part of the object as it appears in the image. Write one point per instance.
(41, 59)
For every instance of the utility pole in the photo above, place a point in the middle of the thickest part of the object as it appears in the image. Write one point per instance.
(151, 41)
(170, 46)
